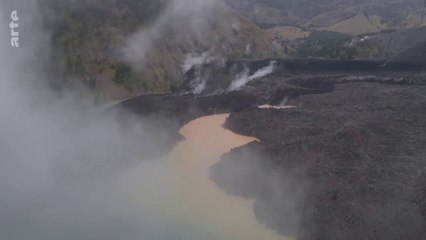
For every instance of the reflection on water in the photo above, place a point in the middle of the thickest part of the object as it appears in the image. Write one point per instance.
(180, 190)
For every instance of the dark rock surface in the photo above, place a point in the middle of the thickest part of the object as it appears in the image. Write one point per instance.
(163, 115)
(357, 152)
(348, 163)
(218, 77)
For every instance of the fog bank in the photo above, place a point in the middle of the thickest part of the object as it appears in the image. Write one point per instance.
(59, 161)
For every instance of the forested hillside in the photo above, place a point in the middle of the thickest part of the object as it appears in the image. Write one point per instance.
(89, 37)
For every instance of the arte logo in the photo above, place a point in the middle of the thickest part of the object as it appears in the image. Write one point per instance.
(14, 25)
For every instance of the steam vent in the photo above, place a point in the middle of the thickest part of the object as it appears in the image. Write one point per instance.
(213, 120)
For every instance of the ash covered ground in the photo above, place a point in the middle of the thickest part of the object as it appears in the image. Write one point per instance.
(351, 152)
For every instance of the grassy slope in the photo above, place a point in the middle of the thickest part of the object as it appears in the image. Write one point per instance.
(344, 16)
(290, 23)
(87, 40)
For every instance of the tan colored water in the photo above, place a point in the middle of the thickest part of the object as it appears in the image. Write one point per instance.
(182, 190)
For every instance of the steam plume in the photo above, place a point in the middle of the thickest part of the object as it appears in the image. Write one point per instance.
(243, 77)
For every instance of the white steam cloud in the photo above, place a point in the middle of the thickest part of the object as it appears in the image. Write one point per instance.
(198, 85)
(180, 19)
(243, 77)
(196, 62)
(192, 60)
(59, 162)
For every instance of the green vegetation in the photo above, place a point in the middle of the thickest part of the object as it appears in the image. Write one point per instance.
(325, 44)
(141, 10)
(86, 35)
(328, 36)
(125, 76)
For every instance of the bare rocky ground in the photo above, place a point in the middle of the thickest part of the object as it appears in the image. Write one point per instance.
(357, 152)
(348, 163)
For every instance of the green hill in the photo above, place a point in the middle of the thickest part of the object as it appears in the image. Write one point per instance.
(88, 39)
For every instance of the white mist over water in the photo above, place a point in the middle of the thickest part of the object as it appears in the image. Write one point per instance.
(57, 160)
(60, 162)
(195, 198)
(243, 77)
(62, 165)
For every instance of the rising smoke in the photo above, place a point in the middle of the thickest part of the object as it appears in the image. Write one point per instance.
(180, 19)
(60, 161)
(244, 76)
(198, 64)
